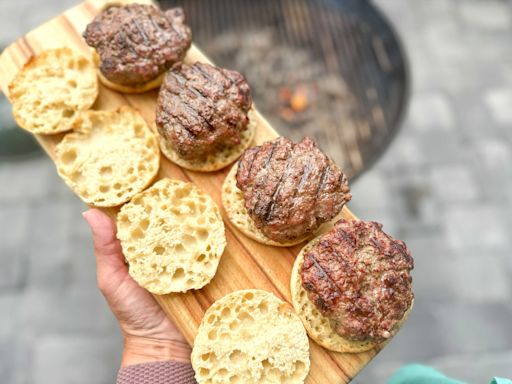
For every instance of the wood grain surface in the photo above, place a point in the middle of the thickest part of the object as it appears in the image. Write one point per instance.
(245, 263)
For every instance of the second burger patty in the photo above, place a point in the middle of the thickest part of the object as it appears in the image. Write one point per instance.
(202, 109)
(359, 277)
(290, 189)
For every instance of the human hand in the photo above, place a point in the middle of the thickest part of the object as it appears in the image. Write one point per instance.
(149, 335)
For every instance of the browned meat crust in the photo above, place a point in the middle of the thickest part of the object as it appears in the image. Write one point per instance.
(202, 109)
(359, 277)
(136, 43)
(290, 189)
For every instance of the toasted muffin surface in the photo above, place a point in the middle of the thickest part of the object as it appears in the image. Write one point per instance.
(51, 89)
(172, 236)
(250, 337)
(111, 156)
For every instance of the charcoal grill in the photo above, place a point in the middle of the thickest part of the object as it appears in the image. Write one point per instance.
(332, 69)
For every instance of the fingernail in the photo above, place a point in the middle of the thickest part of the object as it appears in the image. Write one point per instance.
(85, 215)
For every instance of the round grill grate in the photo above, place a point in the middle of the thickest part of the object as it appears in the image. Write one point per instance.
(331, 69)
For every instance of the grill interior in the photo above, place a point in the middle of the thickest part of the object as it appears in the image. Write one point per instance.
(331, 69)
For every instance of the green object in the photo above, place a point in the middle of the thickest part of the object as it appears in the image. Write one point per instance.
(500, 380)
(421, 374)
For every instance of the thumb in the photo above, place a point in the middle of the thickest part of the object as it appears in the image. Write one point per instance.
(109, 255)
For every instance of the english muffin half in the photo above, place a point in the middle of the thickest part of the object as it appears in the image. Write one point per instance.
(172, 236)
(250, 336)
(111, 156)
(51, 89)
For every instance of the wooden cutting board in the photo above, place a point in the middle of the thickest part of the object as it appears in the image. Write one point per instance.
(245, 263)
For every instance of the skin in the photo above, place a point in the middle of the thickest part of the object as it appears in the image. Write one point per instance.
(149, 335)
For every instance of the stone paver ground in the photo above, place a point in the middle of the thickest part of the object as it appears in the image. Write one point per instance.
(444, 186)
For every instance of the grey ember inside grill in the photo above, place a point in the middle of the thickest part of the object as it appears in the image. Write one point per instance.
(329, 69)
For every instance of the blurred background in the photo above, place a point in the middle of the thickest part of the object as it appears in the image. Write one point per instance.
(442, 182)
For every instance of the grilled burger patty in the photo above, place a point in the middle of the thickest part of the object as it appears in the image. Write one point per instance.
(359, 277)
(137, 43)
(202, 108)
(290, 189)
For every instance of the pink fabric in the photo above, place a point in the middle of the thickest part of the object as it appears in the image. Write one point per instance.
(159, 372)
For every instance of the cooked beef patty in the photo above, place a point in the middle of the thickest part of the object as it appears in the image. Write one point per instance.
(290, 189)
(202, 108)
(359, 277)
(137, 43)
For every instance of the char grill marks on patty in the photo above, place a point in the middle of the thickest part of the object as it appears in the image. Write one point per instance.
(202, 109)
(290, 189)
(359, 277)
(136, 43)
